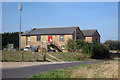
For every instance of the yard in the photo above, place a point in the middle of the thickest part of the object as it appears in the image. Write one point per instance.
(107, 69)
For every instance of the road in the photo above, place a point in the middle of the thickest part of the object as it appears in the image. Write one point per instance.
(25, 72)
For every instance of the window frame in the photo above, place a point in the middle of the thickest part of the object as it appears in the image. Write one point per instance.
(62, 38)
(38, 38)
(27, 38)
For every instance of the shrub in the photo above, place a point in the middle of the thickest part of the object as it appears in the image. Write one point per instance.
(80, 43)
(96, 51)
(100, 52)
(87, 48)
(71, 45)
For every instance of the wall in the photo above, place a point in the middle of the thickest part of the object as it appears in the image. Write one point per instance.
(78, 33)
(33, 40)
(93, 38)
(88, 39)
(23, 42)
(96, 35)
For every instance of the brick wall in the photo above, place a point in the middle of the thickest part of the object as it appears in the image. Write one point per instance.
(33, 40)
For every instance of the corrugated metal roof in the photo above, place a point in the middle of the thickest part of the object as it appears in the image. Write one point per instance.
(88, 32)
(51, 31)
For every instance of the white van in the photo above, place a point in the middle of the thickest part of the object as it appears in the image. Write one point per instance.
(27, 48)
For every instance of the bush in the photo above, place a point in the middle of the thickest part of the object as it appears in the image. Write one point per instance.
(71, 45)
(80, 43)
(96, 51)
(100, 52)
(87, 48)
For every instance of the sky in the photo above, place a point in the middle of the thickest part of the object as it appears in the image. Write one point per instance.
(102, 16)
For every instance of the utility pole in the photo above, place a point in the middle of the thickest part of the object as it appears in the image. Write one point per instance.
(20, 8)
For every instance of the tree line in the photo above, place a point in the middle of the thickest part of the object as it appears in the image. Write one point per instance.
(10, 38)
(113, 44)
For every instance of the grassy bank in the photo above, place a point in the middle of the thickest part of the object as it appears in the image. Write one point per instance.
(69, 56)
(108, 69)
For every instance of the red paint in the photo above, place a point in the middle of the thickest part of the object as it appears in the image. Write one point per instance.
(50, 39)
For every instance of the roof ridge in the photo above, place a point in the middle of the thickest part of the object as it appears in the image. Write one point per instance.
(88, 29)
(57, 27)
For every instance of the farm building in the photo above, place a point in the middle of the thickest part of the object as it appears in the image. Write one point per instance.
(56, 37)
(91, 36)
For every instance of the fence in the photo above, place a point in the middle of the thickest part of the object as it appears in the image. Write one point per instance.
(18, 56)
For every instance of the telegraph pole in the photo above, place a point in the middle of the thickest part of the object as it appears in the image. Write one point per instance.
(20, 8)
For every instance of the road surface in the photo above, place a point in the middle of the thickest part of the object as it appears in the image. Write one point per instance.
(25, 72)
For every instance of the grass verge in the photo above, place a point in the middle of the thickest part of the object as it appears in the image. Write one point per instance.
(107, 69)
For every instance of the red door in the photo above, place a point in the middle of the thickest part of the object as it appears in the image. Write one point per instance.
(50, 39)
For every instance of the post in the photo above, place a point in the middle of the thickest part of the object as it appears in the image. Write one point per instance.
(20, 8)
(44, 58)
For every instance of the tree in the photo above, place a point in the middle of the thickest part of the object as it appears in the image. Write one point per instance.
(115, 45)
(10, 38)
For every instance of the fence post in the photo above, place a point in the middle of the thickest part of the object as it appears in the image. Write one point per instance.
(44, 57)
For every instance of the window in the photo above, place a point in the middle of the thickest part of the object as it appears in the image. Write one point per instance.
(38, 38)
(62, 47)
(28, 38)
(61, 37)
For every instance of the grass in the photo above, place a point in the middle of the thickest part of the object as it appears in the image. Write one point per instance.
(69, 56)
(16, 56)
(108, 69)
(51, 58)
